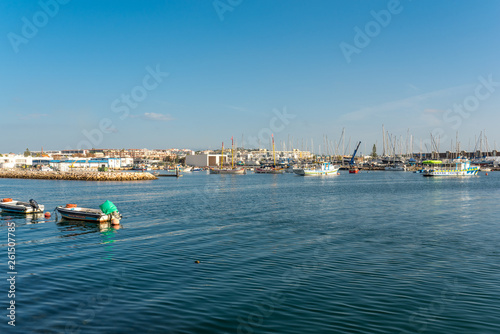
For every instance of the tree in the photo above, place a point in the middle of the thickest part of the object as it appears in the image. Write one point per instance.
(27, 153)
(374, 151)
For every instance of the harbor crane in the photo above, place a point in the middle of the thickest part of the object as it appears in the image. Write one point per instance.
(352, 167)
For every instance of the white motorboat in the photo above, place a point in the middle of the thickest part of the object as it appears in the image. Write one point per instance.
(325, 168)
(396, 168)
(107, 212)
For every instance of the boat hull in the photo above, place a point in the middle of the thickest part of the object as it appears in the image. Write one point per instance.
(464, 172)
(91, 215)
(268, 171)
(237, 171)
(458, 168)
(316, 171)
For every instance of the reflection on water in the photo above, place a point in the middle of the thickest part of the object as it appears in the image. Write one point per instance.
(24, 219)
(78, 227)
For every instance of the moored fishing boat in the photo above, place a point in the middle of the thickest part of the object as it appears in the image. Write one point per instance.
(269, 170)
(353, 169)
(324, 168)
(239, 170)
(10, 205)
(107, 212)
(228, 170)
(460, 167)
(396, 168)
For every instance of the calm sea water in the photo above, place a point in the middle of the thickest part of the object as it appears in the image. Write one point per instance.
(378, 252)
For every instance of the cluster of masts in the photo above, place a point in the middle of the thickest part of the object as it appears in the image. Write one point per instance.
(392, 145)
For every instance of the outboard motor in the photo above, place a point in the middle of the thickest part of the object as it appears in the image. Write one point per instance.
(34, 204)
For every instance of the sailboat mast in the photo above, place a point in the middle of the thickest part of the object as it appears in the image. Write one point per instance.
(383, 141)
(232, 153)
(274, 156)
(222, 155)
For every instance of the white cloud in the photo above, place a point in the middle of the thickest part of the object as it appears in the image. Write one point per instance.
(434, 111)
(151, 116)
(236, 108)
(33, 116)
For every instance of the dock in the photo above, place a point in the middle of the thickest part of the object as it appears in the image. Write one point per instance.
(169, 175)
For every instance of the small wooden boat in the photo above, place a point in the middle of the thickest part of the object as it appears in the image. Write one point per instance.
(107, 212)
(9, 205)
(269, 170)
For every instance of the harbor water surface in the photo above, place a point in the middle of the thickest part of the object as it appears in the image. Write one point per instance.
(378, 252)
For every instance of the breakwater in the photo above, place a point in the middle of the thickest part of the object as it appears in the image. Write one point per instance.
(76, 175)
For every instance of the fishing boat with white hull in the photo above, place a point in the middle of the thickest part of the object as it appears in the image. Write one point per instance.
(10, 205)
(107, 212)
(460, 167)
(324, 168)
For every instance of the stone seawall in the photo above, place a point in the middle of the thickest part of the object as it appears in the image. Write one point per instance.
(77, 175)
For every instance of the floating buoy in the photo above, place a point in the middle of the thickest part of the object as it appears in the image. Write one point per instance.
(196, 261)
(47, 214)
(115, 221)
(338, 173)
(486, 174)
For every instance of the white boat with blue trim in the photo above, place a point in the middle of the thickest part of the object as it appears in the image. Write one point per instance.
(324, 168)
(459, 167)
(107, 212)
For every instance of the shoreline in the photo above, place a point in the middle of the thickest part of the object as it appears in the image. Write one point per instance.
(77, 175)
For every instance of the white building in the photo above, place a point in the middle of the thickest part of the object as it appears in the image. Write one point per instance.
(15, 160)
(127, 162)
(86, 163)
(205, 160)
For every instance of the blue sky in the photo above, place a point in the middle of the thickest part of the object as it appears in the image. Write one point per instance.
(230, 68)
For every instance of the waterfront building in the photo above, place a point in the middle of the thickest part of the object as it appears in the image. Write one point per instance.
(205, 160)
(15, 160)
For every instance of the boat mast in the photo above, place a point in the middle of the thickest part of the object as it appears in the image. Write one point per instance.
(274, 156)
(232, 153)
(383, 141)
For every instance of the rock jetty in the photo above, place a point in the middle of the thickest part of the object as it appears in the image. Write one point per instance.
(77, 175)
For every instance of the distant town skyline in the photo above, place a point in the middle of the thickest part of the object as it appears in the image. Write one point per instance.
(161, 74)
